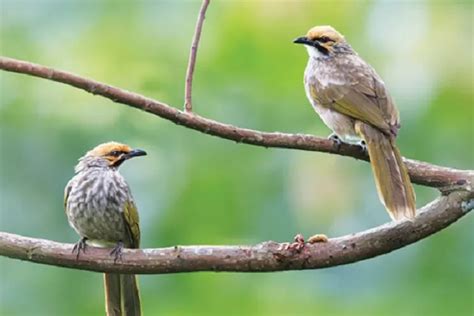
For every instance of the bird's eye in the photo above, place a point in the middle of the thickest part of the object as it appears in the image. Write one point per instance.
(324, 39)
(115, 153)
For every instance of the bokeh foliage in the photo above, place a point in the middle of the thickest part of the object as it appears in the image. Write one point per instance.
(197, 189)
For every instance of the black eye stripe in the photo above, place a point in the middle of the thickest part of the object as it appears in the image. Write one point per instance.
(115, 153)
(325, 39)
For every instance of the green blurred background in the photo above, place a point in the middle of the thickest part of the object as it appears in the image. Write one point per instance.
(197, 189)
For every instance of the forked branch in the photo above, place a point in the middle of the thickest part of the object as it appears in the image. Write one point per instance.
(457, 186)
(420, 172)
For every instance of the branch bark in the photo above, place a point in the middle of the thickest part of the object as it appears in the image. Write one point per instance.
(422, 173)
(265, 257)
(188, 104)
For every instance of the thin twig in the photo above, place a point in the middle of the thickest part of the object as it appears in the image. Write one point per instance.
(264, 257)
(420, 172)
(188, 104)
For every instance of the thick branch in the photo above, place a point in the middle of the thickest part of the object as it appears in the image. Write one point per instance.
(188, 104)
(264, 257)
(420, 172)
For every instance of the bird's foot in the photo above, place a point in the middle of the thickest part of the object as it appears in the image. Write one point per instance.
(336, 140)
(318, 238)
(80, 245)
(117, 251)
(363, 146)
(297, 244)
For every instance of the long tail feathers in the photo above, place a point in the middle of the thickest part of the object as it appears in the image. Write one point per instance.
(121, 295)
(391, 176)
(112, 294)
(130, 295)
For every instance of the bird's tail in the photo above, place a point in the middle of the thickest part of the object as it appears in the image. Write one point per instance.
(130, 295)
(121, 295)
(112, 294)
(391, 176)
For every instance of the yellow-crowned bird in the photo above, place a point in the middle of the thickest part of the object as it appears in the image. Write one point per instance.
(352, 100)
(100, 208)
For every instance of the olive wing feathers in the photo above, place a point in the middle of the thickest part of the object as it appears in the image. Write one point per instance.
(130, 214)
(361, 94)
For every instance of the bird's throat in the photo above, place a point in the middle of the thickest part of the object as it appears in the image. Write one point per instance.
(316, 52)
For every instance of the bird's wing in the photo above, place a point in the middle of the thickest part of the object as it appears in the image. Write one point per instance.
(361, 94)
(67, 190)
(130, 214)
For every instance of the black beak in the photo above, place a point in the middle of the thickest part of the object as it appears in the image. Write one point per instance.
(135, 153)
(303, 40)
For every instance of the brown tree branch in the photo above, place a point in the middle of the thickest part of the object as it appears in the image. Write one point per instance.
(188, 105)
(422, 173)
(264, 257)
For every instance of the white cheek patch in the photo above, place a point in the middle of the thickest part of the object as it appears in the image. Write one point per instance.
(313, 51)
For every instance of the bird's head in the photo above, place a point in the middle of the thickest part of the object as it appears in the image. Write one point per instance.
(111, 154)
(322, 41)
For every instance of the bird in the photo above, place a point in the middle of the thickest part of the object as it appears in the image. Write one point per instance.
(100, 208)
(353, 101)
